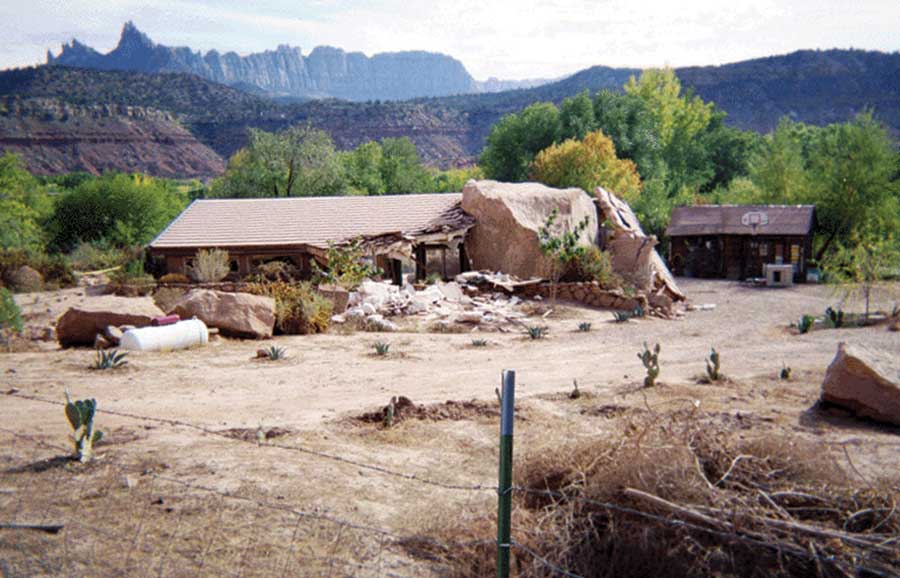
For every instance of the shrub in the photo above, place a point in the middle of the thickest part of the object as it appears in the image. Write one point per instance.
(299, 309)
(275, 271)
(10, 315)
(806, 323)
(166, 297)
(712, 366)
(210, 266)
(785, 372)
(479, 343)
(621, 316)
(81, 414)
(584, 327)
(594, 265)
(96, 256)
(175, 278)
(651, 364)
(432, 278)
(346, 266)
(834, 318)
(55, 269)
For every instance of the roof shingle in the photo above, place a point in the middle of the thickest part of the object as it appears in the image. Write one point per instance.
(312, 221)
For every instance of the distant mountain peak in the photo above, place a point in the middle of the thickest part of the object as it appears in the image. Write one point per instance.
(131, 37)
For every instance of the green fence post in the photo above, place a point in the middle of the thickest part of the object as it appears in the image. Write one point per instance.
(504, 488)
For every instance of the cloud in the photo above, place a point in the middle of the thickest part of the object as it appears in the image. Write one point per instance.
(503, 38)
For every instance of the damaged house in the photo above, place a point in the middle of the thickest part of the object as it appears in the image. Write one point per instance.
(425, 232)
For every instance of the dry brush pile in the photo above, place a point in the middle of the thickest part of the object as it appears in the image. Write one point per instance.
(686, 494)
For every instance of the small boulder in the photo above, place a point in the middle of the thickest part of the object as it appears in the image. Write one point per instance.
(79, 325)
(379, 323)
(865, 381)
(113, 334)
(25, 280)
(235, 314)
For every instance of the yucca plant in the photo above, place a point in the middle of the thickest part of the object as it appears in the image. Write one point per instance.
(275, 353)
(479, 343)
(651, 363)
(382, 348)
(113, 359)
(81, 414)
(584, 327)
(537, 331)
(712, 366)
(835, 318)
(621, 316)
(806, 323)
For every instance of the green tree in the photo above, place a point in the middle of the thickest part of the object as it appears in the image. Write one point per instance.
(401, 168)
(628, 121)
(587, 164)
(778, 169)
(363, 169)
(515, 140)
(453, 180)
(24, 206)
(862, 267)
(123, 209)
(576, 116)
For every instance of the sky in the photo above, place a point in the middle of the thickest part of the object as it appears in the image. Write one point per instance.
(508, 39)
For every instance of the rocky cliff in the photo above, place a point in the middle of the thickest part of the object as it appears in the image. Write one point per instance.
(286, 71)
(56, 137)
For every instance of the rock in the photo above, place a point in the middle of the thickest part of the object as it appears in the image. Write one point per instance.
(379, 323)
(25, 280)
(80, 324)
(632, 252)
(368, 309)
(338, 296)
(113, 334)
(451, 291)
(100, 342)
(474, 317)
(865, 381)
(509, 216)
(235, 314)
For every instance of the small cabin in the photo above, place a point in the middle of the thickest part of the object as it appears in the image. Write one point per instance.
(740, 241)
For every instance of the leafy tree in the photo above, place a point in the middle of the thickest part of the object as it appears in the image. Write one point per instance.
(401, 168)
(576, 116)
(299, 161)
(862, 267)
(778, 169)
(19, 228)
(24, 206)
(628, 121)
(10, 316)
(453, 180)
(854, 168)
(728, 151)
(124, 209)
(363, 169)
(587, 164)
(515, 140)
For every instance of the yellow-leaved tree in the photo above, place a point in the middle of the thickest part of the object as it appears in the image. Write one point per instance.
(587, 164)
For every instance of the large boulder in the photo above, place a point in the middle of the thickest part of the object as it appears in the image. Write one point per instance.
(234, 314)
(25, 280)
(632, 252)
(80, 325)
(508, 217)
(865, 381)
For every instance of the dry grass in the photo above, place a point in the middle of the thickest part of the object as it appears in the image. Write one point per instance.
(688, 494)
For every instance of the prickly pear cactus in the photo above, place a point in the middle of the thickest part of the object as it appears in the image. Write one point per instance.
(80, 414)
(651, 363)
(712, 366)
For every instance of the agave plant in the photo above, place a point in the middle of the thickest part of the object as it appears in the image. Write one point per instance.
(479, 342)
(110, 359)
(806, 323)
(621, 316)
(537, 331)
(835, 318)
(275, 353)
(80, 414)
(584, 327)
(382, 348)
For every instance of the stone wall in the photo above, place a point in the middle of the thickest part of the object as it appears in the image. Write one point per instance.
(589, 293)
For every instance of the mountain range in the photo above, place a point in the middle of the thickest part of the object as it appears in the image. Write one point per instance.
(63, 118)
(287, 72)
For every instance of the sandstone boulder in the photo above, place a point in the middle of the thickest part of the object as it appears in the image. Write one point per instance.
(25, 280)
(865, 381)
(632, 252)
(79, 325)
(509, 216)
(234, 314)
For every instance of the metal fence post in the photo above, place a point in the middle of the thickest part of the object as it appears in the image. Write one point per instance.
(504, 488)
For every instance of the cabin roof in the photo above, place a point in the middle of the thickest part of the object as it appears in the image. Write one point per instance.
(793, 220)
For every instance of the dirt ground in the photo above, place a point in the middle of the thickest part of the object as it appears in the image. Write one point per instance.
(183, 486)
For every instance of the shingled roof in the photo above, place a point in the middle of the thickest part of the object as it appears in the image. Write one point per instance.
(739, 220)
(310, 221)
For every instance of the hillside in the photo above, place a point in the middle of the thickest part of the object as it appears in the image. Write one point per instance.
(56, 137)
(816, 87)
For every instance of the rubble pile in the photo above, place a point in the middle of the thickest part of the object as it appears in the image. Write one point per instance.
(467, 302)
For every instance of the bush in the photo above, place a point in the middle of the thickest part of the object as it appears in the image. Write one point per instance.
(210, 266)
(10, 314)
(594, 265)
(347, 266)
(299, 309)
(275, 271)
(96, 256)
(54, 269)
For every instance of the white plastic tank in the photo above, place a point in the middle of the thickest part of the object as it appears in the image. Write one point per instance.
(179, 335)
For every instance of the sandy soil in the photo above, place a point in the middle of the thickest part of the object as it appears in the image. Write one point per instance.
(328, 379)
